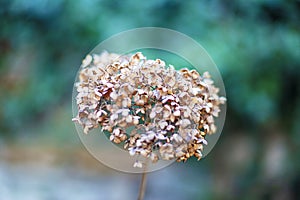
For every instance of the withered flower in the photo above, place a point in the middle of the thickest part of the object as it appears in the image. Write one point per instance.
(152, 109)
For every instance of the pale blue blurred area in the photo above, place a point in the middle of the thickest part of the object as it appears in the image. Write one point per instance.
(36, 182)
(256, 46)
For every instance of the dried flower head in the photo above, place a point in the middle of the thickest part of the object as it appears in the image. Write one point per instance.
(151, 109)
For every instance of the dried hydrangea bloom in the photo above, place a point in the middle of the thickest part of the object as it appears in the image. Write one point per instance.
(151, 109)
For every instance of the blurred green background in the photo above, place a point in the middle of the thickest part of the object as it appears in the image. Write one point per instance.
(255, 44)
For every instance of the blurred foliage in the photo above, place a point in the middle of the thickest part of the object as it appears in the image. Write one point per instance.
(255, 44)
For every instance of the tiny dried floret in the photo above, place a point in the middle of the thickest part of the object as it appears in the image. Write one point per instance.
(152, 109)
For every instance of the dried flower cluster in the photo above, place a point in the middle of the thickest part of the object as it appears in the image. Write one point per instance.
(150, 108)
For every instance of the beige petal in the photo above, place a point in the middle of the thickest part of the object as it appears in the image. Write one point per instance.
(138, 164)
(136, 120)
(129, 119)
(185, 122)
(176, 113)
(113, 117)
(162, 124)
(152, 115)
(125, 112)
(210, 119)
(114, 95)
(88, 59)
(166, 114)
(111, 137)
(116, 132)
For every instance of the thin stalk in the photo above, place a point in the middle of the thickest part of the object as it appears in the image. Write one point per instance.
(143, 185)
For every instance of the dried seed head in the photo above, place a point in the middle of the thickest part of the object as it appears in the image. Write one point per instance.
(171, 111)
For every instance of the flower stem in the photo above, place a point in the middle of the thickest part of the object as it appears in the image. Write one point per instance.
(143, 186)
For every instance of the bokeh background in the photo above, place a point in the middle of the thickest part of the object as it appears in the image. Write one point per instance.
(255, 44)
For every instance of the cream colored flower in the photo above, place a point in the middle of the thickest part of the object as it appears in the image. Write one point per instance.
(169, 112)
